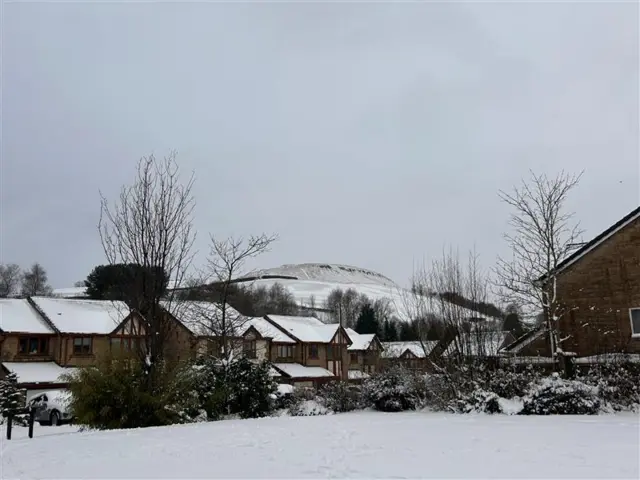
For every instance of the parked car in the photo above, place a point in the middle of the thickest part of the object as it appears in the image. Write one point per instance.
(52, 408)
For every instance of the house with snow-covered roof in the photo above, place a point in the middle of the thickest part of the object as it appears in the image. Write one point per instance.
(303, 350)
(364, 354)
(412, 355)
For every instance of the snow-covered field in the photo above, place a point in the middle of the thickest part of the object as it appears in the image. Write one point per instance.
(356, 445)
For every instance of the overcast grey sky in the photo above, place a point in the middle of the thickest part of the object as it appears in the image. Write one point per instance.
(367, 134)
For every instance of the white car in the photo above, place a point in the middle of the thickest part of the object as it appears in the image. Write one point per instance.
(52, 408)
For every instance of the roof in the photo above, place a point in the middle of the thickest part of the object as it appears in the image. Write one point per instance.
(201, 318)
(360, 341)
(37, 372)
(295, 370)
(597, 241)
(518, 344)
(268, 330)
(305, 329)
(357, 375)
(481, 344)
(17, 315)
(83, 316)
(71, 292)
(397, 349)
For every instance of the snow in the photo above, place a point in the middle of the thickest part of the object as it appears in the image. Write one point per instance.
(17, 315)
(396, 349)
(285, 389)
(481, 343)
(609, 358)
(83, 316)
(306, 329)
(295, 370)
(357, 375)
(359, 341)
(353, 445)
(37, 372)
(333, 273)
(267, 330)
(200, 318)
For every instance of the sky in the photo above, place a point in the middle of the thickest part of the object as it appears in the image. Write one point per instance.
(370, 134)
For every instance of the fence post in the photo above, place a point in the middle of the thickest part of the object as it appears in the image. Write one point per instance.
(9, 424)
(32, 416)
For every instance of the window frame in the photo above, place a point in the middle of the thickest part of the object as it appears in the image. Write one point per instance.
(353, 357)
(286, 349)
(314, 351)
(249, 348)
(81, 351)
(40, 350)
(631, 313)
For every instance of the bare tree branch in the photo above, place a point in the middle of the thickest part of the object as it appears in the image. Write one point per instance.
(151, 225)
(10, 277)
(542, 234)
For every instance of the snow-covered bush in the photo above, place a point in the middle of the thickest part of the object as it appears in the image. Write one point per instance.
(340, 396)
(556, 396)
(395, 390)
(237, 387)
(510, 383)
(480, 401)
(12, 400)
(618, 384)
(116, 394)
(305, 403)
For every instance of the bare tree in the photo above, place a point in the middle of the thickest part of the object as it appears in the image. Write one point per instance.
(150, 225)
(345, 306)
(35, 281)
(10, 277)
(543, 233)
(226, 263)
(79, 284)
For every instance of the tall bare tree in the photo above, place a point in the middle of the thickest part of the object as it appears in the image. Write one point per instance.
(151, 225)
(227, 262)
(35, 281)
(543, 233)
(10, 277)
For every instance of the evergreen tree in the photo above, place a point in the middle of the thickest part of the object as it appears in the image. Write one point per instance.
(389, 331)
(367, 321)
(408, 332)
(11, 398)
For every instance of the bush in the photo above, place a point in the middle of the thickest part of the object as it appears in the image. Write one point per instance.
(395, 390)
(305, 403)
(340, 396)
(556, 396)
(238, 387)
(480, 401)
(509, 383)
(115, 394)
(618, 384)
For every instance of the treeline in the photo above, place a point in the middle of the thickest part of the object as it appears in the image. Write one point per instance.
(16, 282)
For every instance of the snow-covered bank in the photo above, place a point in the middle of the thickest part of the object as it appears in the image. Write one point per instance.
(355, 445)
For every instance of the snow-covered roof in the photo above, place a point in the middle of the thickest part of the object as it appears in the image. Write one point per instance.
(478, 344)
(17, 315)
(306, 329)
(268, 330)
(396, 349)
(609, 358)
(359, 341)
(202, 318)
(295, 370)
(37, 372)
(357, 375)
(524, 340)
(83, 316)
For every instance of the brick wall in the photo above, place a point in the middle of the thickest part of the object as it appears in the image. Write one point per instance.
(597, 292)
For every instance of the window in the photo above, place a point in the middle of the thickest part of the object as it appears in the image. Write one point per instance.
(634, 313)
(313, 350)
(285, 351)
(33, 346)
(354, 357)
(125, 344)
(249, 348)
(82, 346)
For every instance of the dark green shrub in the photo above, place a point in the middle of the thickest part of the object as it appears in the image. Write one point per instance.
(395, 390)
(556, 396)
(340, 396)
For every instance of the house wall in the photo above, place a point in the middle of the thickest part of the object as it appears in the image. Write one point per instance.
(100, 347)
(598, 290)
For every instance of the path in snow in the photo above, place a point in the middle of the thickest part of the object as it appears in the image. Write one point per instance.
(357, 445)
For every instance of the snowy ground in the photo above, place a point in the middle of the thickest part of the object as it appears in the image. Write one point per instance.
(357, 445)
